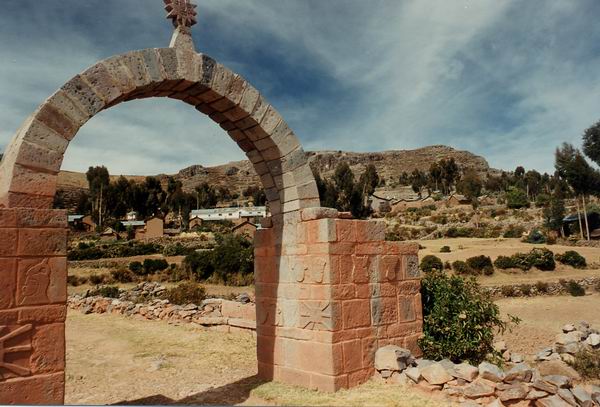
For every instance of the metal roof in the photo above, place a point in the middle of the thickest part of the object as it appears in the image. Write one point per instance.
(73, 218)
(133, 223)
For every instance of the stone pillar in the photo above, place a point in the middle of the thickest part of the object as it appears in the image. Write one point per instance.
(329, 292)
(33, 294)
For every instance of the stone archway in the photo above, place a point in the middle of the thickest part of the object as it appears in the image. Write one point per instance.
(329, 289)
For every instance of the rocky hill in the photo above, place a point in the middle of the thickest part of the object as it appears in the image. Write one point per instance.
(238, 175)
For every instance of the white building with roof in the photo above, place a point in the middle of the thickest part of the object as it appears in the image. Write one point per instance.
(229, 213)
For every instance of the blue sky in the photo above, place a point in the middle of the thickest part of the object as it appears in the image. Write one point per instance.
(509, 80)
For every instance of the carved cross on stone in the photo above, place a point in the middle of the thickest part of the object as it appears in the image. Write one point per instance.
(182, 12)
(19, 370)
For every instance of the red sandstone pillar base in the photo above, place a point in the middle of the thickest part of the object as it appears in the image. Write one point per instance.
(329, 292)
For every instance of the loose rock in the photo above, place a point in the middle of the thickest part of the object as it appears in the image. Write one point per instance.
(436, 374)
(490, 372)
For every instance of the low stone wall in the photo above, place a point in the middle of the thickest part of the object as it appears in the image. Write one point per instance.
(554, 288)
(213, 313)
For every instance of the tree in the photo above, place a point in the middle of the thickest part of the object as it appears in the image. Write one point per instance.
(450, 174)
(418, 180)
(533, 183)
(343, 179)
(98, 180)
(554, 213)
(369, 179)
(206, 197)
(519, 172)
(470, 186)
(328, 194)
(436, 174)
(591, 143)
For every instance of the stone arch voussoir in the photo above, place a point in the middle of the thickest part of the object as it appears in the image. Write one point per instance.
(29, 170)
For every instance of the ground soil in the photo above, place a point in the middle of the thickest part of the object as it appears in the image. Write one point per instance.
(543, 317)
(463, 248)
(114, 359)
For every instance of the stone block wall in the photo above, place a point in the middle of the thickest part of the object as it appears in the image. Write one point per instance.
(329, 292)
(33, 294)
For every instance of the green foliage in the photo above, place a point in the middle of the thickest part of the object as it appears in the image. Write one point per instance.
(136, 267)
(186, 293)
(459, 319)
(525, 289)
(554, 213)
(516, 198)
(591, 142)
(536, 237)
(461, 267)
(542, 200)
(508, 291)
(459, 232)
(108, 291)
(430, 263)
(176, 249)
(504, 262)
(445, 249)
(481, 264)
(522, 261)
(470, 185)
(231, 262)
(574, 288)
(542, 259)
(572, 258)
(152, 266)
(587, 363)
(115, 250)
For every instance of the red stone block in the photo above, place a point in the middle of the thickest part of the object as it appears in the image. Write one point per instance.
(328, 383)
(48, 345)
(8, 283)
(407, 308)
(361, 269)
(311, 356)
(352, 355)
(363, 291)
(389, 267)
(10, 317)
(412, 287)
(8, 242)
(346, 230)
(369, 248)
(345, 268)
(46, 218)
(8, 218)
(356, 313)
(343, 292)
(384, 310)
(412, 343)
(43, 242)
(387, 289)
(47, 314)
(43, 389)
(57, 121)
(334, 337)
(342, 248)
(370, 231)
(42, 281)
(369, 347)
(359, 377)
(266, 371)
(292, 376)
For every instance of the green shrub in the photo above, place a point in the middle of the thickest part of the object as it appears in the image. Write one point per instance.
(575, 289)
(542, 287)
(136, 267)
(504, 262)
(97, 279)
(445, 249)
(459, 319)
(461, 267)
(199, 265)
(525, 289)
(122, 275)
(430, 263)
(522, 261)
(152, 266)
(176, 249)
(459, 232)
(186, 293)
(542, 259)
(516, 198)
(572, 258)
(513, 231)
(481, 264)
(587, 363)
(536, 237)
(508, 291)
(108, 291)
(447, 265)
(597, 286)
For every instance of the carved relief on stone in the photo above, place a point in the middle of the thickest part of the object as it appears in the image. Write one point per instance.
(270, 313)
(6, 350)
(412, 266)
(316, 315)
(36, 280)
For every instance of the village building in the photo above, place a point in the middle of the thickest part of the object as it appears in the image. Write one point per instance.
(457, 200)
(194, 223)
(219, 214)
(109, 234)
(245, 228)
(132, 216)
(151, 228)
(380, 204)
(83, 223)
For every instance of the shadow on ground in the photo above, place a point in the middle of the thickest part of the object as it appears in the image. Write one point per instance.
(230, 394)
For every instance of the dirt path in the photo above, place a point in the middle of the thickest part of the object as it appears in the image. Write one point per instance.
(543, 317)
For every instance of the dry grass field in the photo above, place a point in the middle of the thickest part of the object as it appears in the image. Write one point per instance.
(463, 248)
(114, 359)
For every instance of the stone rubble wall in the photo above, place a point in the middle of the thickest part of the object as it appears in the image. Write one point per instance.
(554, 288)
(213, 313)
